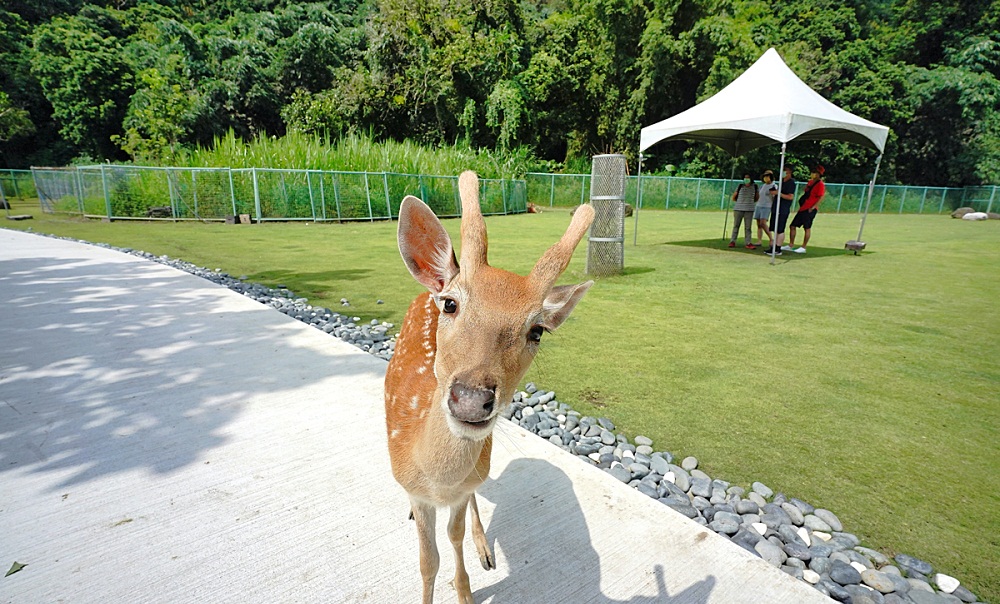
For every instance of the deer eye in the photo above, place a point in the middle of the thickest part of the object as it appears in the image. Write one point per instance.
(450, 306)
(535, 333)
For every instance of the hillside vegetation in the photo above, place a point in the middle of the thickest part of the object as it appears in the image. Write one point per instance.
(556, 81)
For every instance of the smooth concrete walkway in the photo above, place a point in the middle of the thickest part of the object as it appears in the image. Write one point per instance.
(163, 439)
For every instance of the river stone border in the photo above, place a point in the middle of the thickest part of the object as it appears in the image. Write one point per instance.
(805, 542)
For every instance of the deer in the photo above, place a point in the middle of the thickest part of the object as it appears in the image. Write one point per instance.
(463, 348)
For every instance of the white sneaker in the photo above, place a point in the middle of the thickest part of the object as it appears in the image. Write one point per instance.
(786, 248)
(799, 250)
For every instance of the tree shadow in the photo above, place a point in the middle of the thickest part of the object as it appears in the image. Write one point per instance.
(548, 546)
(300, 282)
(111, 366)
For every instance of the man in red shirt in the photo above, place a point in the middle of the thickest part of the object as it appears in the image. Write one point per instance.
(814, 192)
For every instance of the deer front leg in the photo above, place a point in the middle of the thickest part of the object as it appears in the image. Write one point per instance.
(456, 533)
(425, 517)
(479, 536)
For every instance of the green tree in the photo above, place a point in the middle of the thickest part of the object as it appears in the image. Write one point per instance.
(157, 117)
(79, 62)
(14, 121)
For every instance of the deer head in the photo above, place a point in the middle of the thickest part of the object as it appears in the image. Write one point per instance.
(490, 321)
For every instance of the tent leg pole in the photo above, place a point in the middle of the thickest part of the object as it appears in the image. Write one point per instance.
(777, 209)
(638, 203)
(871, 189)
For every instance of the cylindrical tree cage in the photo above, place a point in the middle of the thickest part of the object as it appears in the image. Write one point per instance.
(606, 247)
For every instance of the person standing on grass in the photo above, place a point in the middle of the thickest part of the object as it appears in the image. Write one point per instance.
(779, 213)
(765, 199)
(808, 204)
(745, 197)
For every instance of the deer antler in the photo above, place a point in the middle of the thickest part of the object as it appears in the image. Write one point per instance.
(554, 261)
(473, 226)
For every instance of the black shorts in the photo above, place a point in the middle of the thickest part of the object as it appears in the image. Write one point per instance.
(782, 209)
(804, 219)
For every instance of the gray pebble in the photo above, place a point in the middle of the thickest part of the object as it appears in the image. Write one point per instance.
(681, 508)
(844, 573)
(620, 473)
(689, 463)
(830, 518)
(878, 580)
(815, 523)
(642, 440)
(659, 465)
(771, 553)
(794, 513)
(762, 489)
(909, 562)
(820, 564)
(863, 595)
(745, 506)
(702, 487)
(964, 594)
(924, 597)
(798, 550)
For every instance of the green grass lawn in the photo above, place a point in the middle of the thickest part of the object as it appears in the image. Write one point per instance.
(865, 384)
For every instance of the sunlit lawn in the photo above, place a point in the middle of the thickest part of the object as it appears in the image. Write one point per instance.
(867, 384)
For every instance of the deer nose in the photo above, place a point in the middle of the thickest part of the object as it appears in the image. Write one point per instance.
(469, 404)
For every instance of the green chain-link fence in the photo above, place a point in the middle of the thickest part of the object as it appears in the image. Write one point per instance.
(122, 192)
(713, 194)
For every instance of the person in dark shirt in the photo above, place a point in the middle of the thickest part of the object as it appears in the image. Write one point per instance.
(780, 211)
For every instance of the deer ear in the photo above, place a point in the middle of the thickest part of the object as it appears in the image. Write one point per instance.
(561, 301)
(425, 246)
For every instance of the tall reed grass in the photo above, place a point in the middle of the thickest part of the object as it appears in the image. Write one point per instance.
(356, 153)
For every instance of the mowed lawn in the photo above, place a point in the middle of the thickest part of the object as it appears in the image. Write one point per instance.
(869, 385)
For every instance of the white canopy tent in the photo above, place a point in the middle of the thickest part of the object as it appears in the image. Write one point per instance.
(740, 118)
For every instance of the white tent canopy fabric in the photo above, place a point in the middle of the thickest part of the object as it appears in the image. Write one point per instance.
(740, 118)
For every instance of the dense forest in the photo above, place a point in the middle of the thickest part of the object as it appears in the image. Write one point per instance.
(141, 80)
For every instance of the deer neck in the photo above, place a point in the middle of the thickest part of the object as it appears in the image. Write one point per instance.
(427, 458)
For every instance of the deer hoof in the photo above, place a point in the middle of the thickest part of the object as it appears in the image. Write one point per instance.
(486, 558)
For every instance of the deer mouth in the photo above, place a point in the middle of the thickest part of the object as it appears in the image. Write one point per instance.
(481, 424)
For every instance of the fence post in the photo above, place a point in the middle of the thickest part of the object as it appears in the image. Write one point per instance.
(312, 201)
(552, 190)
(194, 192)
(503, 194)
(923, 198)
(388, 202)
(944, 193)
(882, 203)
(458, 200)
(336, 195)
(993, 193)
(902, 202)
(666, 206)
(107, 195)
(232, 193)
(583, 189)
(256, 193)
(78, 180)
(368, 196)
(841, 198)
(170, 194)
(322, 196)
(697, 195)
(16, 190)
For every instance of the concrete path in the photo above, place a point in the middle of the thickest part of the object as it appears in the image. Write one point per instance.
(163, 439)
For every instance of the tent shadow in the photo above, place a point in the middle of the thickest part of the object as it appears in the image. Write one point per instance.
(537, 521)
(722, 246)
